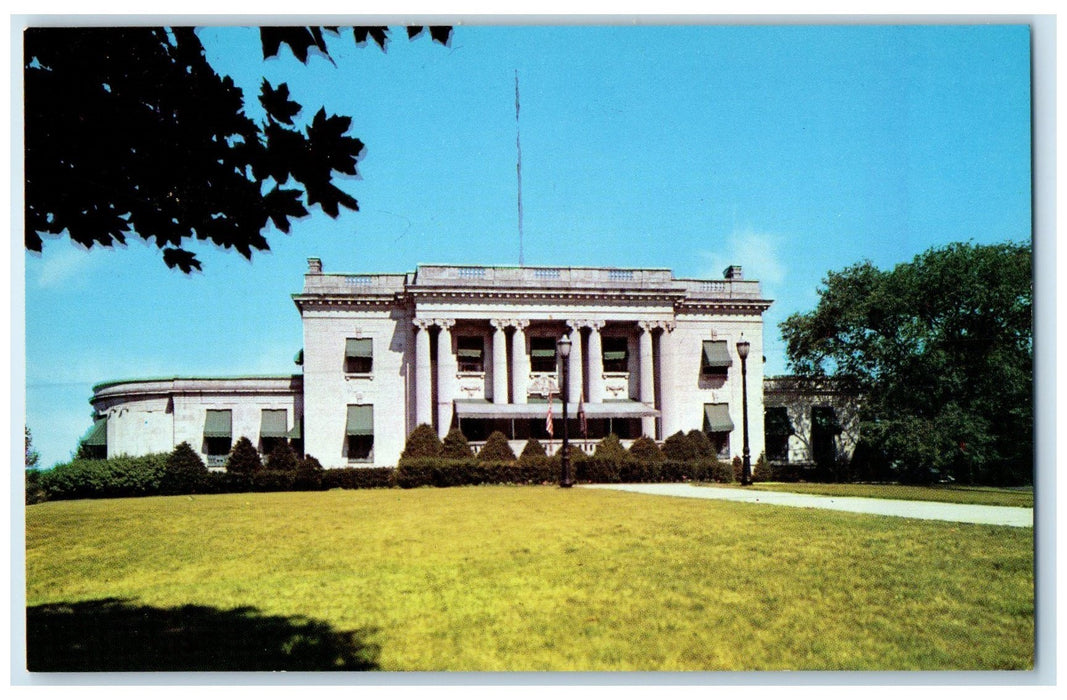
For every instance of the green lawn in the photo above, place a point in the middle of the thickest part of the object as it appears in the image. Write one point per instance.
(979, 495)
(517, 578)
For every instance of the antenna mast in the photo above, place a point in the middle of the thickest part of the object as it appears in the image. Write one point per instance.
(518, 164)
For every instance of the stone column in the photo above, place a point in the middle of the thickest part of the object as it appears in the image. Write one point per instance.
(647, 381)
(423, 385)
(596, 363)
(520, 362)
(446, 375)
(574, 386)
(500, 362)
(670, 422)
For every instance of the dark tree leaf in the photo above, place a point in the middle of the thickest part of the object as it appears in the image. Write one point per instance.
(182, 259)
(414, 31)
(282, 204)
(441, 34)
(379, 35)
(277, 102)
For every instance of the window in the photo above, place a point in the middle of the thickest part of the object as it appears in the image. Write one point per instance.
(776, 431)
(715, 360)
(824, 428)
(718, 426)
(218, 436)
(470, 353)
(542, 354)
(359, 432)
(272, 429)
(615, 353)
(359, 356)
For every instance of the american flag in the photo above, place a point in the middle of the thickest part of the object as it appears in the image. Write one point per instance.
(548, 420)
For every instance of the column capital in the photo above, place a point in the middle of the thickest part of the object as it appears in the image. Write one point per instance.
(421, 323)
(499, 323)
(649, 326)
(520, 324)
(596, 325)
(445, 323)
(577, 325)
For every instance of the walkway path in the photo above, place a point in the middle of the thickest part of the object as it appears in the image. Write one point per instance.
(925, 510)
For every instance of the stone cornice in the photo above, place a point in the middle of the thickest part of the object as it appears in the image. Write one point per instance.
(197, 386)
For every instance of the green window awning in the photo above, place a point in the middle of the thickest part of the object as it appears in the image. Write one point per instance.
(716, 354)
(299, 357)
(98, 434)
(295, 433)
(543, 352)
(469, 353)
(218, 423)
(717, 418)
(776, 421)
(273, 423)
(614, 354)
(359, 347)
(360, 420)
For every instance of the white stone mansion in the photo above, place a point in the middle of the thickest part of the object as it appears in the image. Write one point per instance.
(474, 348)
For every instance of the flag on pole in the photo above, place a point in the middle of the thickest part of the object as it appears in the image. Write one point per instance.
(582, 425)
(548, 420)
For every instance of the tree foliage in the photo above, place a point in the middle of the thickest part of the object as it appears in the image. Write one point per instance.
(243, 459)
(422, 442)
(129, 131)
(496, 449)
(941, 351)
(455, 445)
(281, 458)
(184, 471)
(33, 457)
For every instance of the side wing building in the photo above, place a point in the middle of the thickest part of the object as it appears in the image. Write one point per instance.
(473, 348)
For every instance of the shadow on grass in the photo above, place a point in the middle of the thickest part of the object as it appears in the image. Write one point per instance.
(113, 635)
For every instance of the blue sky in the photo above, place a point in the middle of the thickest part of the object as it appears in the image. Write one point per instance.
(789, 150)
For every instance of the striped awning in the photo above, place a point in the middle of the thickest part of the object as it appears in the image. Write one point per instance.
(218, 423)
(98, 434)
(717, 418)
(477, 408)
(360, 420)
(716, 354)
(273, 423)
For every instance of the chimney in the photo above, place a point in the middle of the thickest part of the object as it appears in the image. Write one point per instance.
(732, 273)
(314, 266)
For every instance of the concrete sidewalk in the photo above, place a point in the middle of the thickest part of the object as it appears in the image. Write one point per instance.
(925, 510)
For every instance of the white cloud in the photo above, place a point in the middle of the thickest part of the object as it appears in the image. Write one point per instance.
(64, 264)
(757, 253)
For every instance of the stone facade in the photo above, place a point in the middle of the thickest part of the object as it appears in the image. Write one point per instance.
(475, 348)
(809, 423)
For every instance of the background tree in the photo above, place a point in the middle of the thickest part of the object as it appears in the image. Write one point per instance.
(129, 131)
(243, 459)
(941, 351)
(33, 458)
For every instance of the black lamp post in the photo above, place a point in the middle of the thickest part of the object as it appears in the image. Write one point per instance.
(746, 457)
(564, 347)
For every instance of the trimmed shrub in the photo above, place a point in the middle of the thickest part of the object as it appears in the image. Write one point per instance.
(308, 474)
(496, 449)
(422, 442)
(714, 470)
(273, 480)
(739, 468)
(646, 450)
(701, 443)
(532, 450)
(679, 447)
(281, 458)
(243, 459)
(105, 478)
(455, 446)
(358, 477)
(609, 448)
(184, 472)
